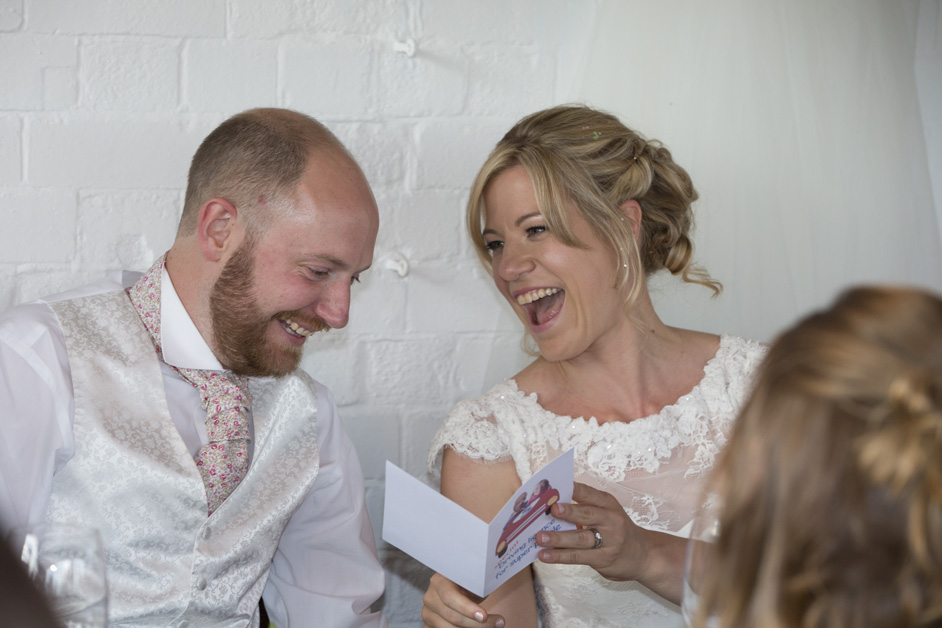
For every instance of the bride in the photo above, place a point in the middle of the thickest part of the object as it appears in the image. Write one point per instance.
(571, 212)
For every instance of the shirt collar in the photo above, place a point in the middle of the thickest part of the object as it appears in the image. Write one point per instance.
(182, 344)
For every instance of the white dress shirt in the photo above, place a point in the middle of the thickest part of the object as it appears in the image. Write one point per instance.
(328, 540)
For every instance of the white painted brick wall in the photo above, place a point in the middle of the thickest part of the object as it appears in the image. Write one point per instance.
(25, 60)
(93, 18)
(10, 150)
(129, 74)
(109, 151)
(230, 74)
(104, 101)
(43, 222)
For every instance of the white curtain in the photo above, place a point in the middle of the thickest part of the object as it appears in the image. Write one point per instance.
(800, 123)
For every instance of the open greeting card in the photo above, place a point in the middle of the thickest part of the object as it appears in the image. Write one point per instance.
(447, 538)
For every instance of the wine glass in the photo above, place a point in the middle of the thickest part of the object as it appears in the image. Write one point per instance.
(706, 529)
(67, 562)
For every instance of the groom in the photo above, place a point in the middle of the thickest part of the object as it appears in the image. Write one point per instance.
(167, 409)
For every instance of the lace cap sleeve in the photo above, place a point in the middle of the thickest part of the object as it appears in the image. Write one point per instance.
(471, 430)
(743, 361)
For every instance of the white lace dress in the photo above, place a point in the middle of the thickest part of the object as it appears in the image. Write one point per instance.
(654, 466)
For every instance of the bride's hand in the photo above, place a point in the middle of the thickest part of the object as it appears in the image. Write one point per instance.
(445, 605)
(625, 551)
(622, 550)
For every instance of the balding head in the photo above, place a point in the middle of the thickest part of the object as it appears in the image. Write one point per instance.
(254, 160)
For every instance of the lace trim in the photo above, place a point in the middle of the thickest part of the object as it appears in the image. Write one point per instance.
(486, 428)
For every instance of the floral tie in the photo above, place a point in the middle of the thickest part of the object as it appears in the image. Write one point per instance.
(224, 461)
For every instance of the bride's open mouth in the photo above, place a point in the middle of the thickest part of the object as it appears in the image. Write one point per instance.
(542, 304)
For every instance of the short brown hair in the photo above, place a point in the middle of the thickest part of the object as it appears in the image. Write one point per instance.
(257, 156)
(587, 159)
(831, 484)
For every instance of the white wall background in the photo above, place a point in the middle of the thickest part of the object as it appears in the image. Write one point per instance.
(802, 125)
(813, 130)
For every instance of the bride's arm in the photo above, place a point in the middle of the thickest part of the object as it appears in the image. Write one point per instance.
(482, 488)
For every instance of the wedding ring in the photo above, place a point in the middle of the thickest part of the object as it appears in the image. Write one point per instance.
(598, 538)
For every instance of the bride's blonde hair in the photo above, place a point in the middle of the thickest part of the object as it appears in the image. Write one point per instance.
(586, 160)
(832, 479)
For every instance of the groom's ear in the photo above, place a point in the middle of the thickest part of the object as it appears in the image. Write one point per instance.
(218, 229)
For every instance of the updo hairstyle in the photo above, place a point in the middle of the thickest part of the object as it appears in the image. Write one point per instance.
(586, 160)
(831, 484)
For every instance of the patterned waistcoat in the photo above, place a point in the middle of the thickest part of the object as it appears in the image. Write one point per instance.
(133, 478)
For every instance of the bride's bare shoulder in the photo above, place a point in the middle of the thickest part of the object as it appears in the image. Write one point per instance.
(535, 377)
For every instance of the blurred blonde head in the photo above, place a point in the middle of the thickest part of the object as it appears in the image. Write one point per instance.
(831, 483)
(581, 159)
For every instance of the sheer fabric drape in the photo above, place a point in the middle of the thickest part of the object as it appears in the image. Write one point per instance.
(800, 123)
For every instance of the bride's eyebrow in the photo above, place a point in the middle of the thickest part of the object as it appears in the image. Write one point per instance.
(526, 217)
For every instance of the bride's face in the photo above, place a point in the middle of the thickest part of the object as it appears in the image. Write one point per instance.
(565, 296)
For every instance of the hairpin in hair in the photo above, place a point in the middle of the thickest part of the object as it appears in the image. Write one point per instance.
(595, 134)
